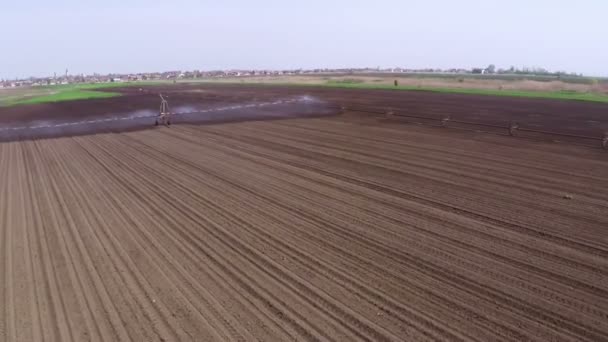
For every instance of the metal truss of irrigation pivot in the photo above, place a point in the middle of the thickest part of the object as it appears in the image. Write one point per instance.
(512, 128)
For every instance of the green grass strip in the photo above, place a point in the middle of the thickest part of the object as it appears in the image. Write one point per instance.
(71, 92)
(556, 95)
(67, 92)
(66, 95)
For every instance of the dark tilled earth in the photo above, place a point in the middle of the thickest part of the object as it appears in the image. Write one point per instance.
(352, 227)
(224, 102)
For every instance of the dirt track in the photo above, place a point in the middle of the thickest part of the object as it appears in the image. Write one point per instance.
(339, 228)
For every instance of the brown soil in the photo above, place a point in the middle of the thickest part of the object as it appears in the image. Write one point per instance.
(345, 228)
(572, 117)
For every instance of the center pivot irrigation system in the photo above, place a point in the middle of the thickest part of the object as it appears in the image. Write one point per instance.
(444, 121)
(164, 118)
(164, 114)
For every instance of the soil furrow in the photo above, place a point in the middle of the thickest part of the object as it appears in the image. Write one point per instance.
(346, 228)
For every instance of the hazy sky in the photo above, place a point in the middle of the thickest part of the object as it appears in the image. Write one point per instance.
(42, 37)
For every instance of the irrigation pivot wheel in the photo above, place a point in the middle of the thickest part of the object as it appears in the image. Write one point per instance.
(164, 114)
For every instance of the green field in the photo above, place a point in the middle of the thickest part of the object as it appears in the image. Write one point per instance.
(500, 77)
(558, 95)
(354, 83)
(58, 93)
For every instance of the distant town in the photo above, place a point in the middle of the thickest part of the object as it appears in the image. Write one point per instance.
(67, 78)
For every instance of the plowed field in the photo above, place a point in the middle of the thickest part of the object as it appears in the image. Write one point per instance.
(344, 228)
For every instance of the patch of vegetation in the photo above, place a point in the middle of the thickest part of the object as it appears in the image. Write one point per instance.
(558, 95)
(65, 92)
(66, 95)
(502, 77)
(346, 81)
